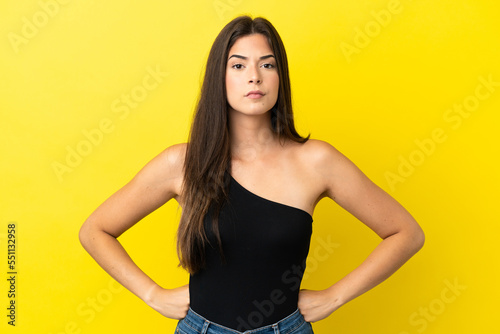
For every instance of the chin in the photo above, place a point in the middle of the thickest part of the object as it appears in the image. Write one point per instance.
(254, 112)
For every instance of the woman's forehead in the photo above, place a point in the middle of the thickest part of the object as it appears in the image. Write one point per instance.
(255, 44)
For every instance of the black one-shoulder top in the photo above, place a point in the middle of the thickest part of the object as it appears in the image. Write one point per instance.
(265, 244)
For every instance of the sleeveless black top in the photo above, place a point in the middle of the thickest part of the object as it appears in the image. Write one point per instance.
(265, 245)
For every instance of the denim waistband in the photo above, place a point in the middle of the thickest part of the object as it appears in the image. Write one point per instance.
(202, 325)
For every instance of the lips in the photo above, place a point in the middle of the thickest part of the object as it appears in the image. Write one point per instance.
(254, 93)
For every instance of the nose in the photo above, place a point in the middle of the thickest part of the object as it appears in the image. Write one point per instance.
(254, 75)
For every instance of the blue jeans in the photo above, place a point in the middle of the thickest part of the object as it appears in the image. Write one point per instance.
(194, 323)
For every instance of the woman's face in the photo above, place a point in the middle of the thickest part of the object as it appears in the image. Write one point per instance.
(251, 66)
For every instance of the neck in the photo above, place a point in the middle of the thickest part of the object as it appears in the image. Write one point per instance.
(251, 136)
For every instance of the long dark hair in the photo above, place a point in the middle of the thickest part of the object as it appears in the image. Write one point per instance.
(207, 163)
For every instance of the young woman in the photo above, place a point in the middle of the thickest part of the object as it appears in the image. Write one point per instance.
(248, 184)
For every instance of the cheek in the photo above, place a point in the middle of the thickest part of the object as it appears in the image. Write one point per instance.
(230, 85)
(231, 91)
(276, 83)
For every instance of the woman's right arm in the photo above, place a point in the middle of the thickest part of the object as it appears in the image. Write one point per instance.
(155, 184)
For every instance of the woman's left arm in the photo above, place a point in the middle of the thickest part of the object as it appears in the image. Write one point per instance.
(401, 234)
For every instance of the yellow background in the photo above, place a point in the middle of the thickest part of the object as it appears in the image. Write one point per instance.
(65, 65)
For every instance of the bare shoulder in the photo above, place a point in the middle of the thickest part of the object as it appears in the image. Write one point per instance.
(328, 168)
(320, 154)
(154, 185)
(174, 156)
(349, 187)
(165, 170)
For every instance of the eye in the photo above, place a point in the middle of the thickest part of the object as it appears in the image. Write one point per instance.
(237, 66)
(269, 66)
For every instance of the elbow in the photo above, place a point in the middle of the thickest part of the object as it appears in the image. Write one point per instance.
(91, 234)
(85, 234)
(412, 239)
(418, 239)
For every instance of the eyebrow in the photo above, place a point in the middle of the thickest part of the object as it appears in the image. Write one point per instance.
(245, 58)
